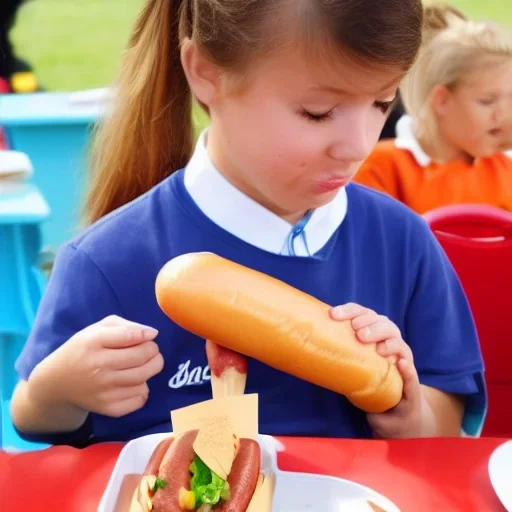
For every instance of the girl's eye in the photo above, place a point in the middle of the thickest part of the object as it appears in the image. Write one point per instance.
(486, 102)
(317, 118)
(384, 106)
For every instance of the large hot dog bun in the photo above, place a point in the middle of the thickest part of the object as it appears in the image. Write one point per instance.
(259, 316)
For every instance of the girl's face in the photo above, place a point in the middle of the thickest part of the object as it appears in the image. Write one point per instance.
(475, 119)
(298, 130)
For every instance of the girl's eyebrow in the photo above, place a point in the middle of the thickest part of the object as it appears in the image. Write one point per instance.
(329, 89)
(336, 90)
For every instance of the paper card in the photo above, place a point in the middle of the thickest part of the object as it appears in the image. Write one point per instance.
(264, 494)
(375, 507)
(215, 445)
(240, 411)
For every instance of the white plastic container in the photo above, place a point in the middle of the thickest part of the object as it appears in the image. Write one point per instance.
(295, 492)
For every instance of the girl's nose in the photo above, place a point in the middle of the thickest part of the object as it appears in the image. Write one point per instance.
(352, 141)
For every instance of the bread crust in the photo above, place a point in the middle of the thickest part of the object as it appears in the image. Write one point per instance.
(264, 318)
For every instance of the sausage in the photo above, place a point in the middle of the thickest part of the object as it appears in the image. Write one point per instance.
(221, 358)
(174, 469)
(243, 477)
(155, 461)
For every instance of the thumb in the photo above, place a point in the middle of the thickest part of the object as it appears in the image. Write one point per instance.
(123, 336)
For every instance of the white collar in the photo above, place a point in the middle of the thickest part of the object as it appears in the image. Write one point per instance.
(405, 139)
(248, 220)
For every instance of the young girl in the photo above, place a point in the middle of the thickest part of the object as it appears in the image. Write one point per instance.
(459, 100)
(297, 93)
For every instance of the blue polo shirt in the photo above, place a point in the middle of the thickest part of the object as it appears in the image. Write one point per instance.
(364, 247)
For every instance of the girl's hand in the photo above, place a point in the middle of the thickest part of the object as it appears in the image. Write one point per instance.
(102, 369)
(412, 417)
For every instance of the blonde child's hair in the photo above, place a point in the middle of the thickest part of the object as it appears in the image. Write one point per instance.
(452, 47)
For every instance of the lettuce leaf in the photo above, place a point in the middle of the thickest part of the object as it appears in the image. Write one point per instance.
(207, 486)
(159, 484)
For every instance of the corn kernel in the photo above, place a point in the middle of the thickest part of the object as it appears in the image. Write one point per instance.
(187, 499)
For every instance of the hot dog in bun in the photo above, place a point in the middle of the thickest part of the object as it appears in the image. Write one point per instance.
(261, 317)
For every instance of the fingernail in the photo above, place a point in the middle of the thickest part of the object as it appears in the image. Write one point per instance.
(149, 333)
(338, 312)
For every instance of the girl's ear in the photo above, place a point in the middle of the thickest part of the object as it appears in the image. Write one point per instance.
(202, 75)
(439, 99)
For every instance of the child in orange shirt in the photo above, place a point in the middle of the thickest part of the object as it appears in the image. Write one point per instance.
(457, 96)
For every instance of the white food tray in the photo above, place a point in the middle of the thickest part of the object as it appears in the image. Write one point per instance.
(295, 492)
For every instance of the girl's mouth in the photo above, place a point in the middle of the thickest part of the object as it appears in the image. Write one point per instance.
(332, 184)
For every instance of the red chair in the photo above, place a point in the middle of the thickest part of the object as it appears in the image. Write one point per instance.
(478, 241)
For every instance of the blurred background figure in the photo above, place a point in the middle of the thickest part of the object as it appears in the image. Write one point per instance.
(449, 147)
(16, 75)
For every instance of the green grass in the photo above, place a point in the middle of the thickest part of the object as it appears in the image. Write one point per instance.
(77, 44)
(74, 44)
(496, 10)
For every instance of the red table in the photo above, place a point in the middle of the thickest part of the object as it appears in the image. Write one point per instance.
(422, 475)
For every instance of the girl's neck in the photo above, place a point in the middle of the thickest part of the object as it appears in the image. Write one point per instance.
(441, 151)
(221, 164)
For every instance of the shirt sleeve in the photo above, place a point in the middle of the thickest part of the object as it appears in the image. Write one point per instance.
(441, 331)
(77, 295)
